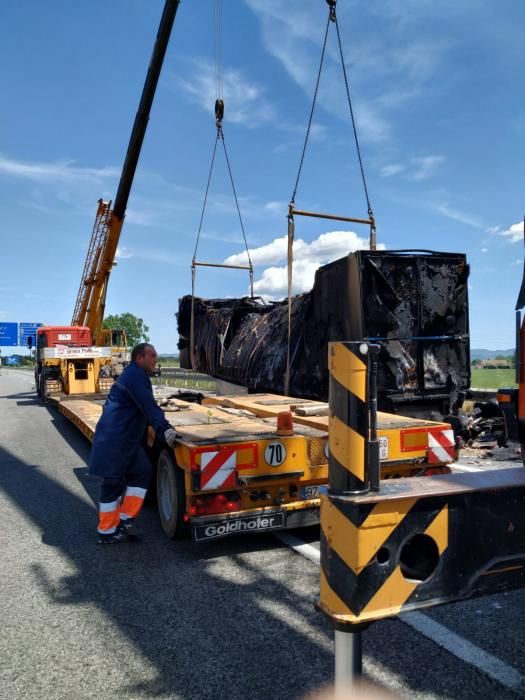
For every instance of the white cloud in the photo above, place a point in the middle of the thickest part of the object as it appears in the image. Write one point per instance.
(276, 207)
(155, 255)
(139, 217)
(426, 166)
(484, 250)
(245, 101)
(124, 253)
(273, 282)
(514, 234)
(457, 215)
(391, 169)
(59, 170)
(264, 255)
(417, 169)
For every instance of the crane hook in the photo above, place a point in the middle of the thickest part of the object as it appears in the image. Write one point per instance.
(331, 4)
(219, 112)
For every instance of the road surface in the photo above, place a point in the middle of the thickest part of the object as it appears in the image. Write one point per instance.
(170, 619)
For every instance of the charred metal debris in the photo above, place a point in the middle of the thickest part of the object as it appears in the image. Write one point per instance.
(414, 304)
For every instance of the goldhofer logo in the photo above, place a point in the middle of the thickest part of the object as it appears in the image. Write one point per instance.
(212, 531)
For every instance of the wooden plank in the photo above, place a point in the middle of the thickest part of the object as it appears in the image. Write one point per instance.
(269, 405)
(320, 409)
(195, 424)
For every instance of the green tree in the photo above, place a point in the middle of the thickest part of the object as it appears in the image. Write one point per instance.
(500, 357)
(476, 362)
(135, 328)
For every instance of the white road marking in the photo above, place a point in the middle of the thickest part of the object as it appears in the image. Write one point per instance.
(303, 548)
(466, 468)
(466, 651)
(461, 648)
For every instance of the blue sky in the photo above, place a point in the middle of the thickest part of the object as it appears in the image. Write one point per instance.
(437, 89)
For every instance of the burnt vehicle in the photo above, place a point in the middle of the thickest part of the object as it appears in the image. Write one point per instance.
(414, 304)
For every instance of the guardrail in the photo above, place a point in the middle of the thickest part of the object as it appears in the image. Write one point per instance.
(183, 377)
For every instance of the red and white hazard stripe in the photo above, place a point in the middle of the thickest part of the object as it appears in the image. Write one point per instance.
(441, 447)
(218, 469)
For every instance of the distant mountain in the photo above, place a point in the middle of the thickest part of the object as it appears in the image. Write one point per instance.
(489, 354)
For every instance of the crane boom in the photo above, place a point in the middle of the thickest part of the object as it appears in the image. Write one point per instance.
(91, 298)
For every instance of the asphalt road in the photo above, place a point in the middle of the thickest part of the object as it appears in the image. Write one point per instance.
(164, 619)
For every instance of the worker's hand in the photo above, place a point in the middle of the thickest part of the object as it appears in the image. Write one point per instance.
(170, 435)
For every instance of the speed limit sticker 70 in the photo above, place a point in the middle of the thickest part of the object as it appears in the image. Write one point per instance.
(275, 454)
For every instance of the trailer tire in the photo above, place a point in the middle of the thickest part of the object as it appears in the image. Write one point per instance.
(42, 388)
(171, 495)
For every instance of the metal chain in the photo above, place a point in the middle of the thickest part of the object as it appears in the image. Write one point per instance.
(358, 149)
(206, 196)
(235, 195)
(218, 47)
(332, 17)
(292, 200)
(220, 137)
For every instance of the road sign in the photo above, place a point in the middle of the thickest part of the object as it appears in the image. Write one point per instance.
(12, 360)
(26, 330)
(8, 334)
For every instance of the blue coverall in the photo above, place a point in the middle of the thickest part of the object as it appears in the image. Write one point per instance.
(117, 454)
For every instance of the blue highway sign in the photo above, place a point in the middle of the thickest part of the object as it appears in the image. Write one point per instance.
(8, 334)
(26, 330)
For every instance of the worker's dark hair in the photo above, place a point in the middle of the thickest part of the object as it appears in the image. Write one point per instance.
(139, 349)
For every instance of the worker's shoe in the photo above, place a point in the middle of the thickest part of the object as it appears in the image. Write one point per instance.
(130, 528)
(115, 538)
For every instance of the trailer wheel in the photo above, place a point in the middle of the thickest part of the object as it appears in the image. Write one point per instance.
(171, 495)
(42, 388)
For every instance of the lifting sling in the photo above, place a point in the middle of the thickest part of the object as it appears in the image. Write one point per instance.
(292, 211)
(219, 116)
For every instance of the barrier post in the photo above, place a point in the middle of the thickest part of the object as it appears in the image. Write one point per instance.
(353, 467)
(421, 541)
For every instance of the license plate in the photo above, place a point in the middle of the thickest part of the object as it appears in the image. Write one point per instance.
(237, 526)
(383, 448)
(310, 492)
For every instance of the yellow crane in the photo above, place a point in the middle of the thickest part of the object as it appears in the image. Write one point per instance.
(100, 259)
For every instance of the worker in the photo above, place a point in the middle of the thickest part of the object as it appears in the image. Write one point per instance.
(118, 455)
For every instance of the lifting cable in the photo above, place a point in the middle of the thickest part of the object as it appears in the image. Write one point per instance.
(332, 18)
(219, 116)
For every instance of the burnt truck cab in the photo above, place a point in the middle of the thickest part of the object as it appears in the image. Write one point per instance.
(413, 303)
(68, 363)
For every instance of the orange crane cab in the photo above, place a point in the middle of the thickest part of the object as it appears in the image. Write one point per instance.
(68, 363)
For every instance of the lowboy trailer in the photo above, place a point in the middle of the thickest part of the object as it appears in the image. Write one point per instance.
(241, 466)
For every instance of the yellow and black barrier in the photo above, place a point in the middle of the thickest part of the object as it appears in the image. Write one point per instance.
(421, 541)
(354, 450)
